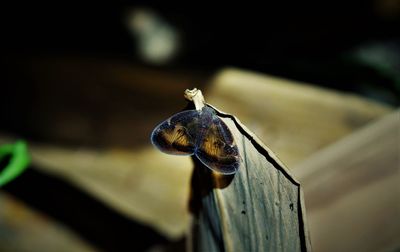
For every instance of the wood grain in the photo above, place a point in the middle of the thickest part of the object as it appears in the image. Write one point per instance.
(294, 119)
(259, 208)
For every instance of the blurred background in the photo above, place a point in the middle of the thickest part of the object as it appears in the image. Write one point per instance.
(86, 84)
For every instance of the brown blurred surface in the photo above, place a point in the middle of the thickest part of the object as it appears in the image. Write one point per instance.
(92, 128)
(23, 229)
(100, 103)
(294, 119)
(352, 190)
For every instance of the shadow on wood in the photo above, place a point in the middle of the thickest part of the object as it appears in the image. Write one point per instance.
(203, 181)
(260, 208)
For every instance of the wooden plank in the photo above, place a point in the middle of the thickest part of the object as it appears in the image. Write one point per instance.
(294, 119)
(260, 208)
(352, 190)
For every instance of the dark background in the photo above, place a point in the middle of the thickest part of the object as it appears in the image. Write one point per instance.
(315, 43)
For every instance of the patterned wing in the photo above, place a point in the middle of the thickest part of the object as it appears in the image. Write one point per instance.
(216, 147)
(177, 134)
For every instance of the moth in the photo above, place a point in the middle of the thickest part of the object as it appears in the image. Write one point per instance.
(201, 133)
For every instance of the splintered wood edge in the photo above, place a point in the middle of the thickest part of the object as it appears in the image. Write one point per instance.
(278, 164)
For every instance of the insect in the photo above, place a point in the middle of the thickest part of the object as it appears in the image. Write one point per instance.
(201, 133)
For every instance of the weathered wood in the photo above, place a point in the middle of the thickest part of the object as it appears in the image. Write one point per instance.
(352, 190)
(260, 208)
(293, 118)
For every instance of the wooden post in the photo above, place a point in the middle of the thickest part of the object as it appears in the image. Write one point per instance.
(260, 208)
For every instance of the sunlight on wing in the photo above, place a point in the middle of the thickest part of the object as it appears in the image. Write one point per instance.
(177, 134)
(217, 149)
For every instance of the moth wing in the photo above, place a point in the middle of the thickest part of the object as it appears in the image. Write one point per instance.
(216, 147)
(177, 134)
